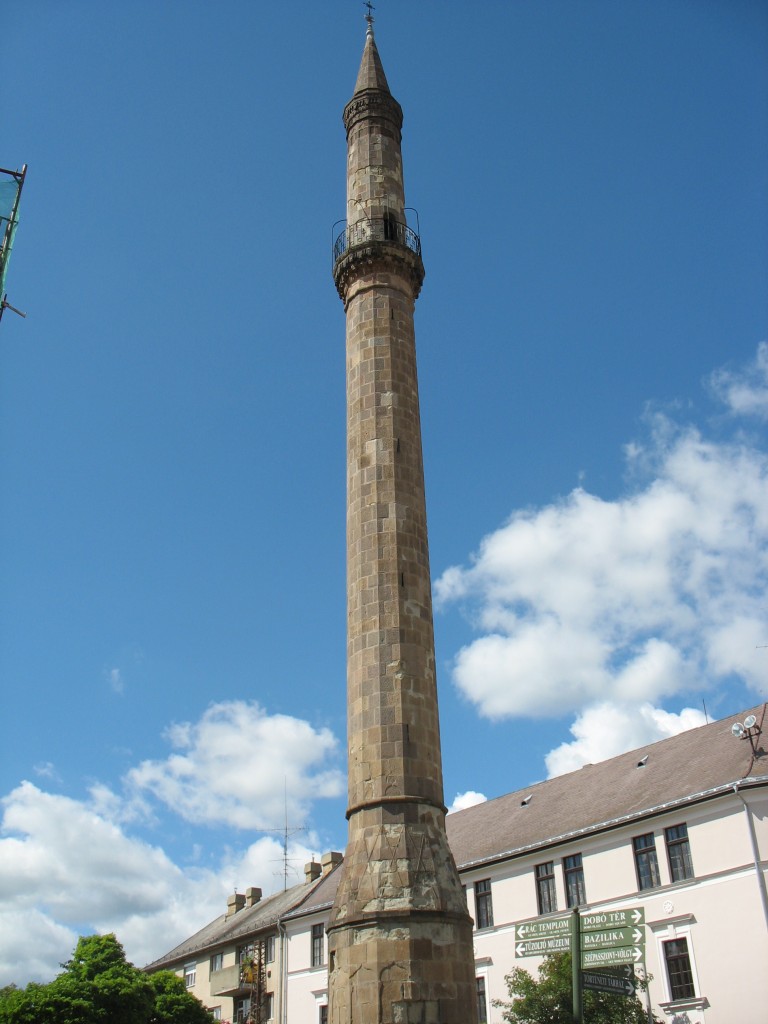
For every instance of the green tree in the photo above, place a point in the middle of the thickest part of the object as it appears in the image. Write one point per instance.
(99, 986)
(549, 999)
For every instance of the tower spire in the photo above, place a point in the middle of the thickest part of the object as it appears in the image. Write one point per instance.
(399, 936)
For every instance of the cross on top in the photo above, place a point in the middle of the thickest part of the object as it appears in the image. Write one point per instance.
(371, 9)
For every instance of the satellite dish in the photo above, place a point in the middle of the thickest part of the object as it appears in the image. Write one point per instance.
(749, 721)
(737, 729)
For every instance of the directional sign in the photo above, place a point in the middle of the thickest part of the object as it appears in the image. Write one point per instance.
(605, 919)
(606, 957)
(540, 947)
(540, 929)
(617, 984)
(613, 937)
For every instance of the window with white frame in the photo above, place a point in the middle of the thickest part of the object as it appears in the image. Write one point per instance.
(646, 862)
(482, 1001)
(244, 953)
(679, 972)
(573, 872)
(215, 1012)
(269, 1006)
(242, 1009)
(484, 903)
(323, 1018)
(269, 949)
(318, 944)
(546, 895)
(217, 962)
(190, 974)
(678, 853)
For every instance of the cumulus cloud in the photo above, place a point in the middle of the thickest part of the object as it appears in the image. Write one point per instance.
(745, 391)
(238, 766)
(70, 867)
(468, 799)
(610, 607)
(606, 729)
(67, 869)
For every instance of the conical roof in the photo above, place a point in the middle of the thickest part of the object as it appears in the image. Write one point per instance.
(371, 74)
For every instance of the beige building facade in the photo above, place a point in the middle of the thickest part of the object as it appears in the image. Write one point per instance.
(675, 832)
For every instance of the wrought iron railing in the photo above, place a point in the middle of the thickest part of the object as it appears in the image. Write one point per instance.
(377, 229)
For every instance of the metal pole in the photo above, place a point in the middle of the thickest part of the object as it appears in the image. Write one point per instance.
(576, 965)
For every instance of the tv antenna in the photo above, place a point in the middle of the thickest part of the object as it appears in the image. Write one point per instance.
(286, 832)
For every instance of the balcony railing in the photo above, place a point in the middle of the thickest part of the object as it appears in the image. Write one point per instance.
(377, 229)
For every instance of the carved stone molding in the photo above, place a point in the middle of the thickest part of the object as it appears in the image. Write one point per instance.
(384, 257)
(373, 104)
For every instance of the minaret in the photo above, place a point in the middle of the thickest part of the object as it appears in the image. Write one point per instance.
(399, 937)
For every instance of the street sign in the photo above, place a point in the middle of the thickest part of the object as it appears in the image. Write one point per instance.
(607, 957)
(620, 984)
(540, 929)
(613, 937)
(541, 947)
(613, 919)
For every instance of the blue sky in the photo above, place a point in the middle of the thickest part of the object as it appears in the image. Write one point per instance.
(591, 187)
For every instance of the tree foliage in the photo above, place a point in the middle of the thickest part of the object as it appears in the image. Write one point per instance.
(549, 999)
(99, 986)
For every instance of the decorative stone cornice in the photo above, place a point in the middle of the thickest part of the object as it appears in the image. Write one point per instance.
(382, 257)
(373, 104)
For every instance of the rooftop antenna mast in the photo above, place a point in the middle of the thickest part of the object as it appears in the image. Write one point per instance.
(286, 832)
(10, 195)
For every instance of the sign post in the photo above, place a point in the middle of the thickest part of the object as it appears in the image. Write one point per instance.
(578, 1014)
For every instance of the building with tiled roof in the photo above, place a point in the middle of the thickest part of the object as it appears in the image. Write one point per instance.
(673, 836)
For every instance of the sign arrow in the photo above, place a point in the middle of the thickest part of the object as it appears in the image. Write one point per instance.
(540, 947)
(608, 957)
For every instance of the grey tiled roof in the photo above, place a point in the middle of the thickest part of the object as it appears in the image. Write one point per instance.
(691, 766)
(321, 897)
(244, 923)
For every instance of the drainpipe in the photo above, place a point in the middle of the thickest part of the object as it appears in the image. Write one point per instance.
(283, 972)
(755, 854)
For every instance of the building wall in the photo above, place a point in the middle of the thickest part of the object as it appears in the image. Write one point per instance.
(719, 912)
(307, 983)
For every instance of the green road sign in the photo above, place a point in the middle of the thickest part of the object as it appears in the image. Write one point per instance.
(613, 937)
(608, 957)
(605, 919)
(541, 947)
(619, 984)
(541, 929)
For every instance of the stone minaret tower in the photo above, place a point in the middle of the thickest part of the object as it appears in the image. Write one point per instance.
(399, 937)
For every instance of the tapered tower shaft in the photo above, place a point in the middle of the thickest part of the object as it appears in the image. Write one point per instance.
(400, 938)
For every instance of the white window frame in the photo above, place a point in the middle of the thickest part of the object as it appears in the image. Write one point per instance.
(667, 931)
(190, 974)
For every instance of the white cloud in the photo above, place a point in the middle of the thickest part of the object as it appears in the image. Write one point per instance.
(612, 605)
(745, 391)
(66, 869)
(116, 680)
(238, 766)
(604, 730)
(71, 867)
(468, 799)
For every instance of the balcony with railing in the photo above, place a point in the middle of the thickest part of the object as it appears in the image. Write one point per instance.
(375, 229)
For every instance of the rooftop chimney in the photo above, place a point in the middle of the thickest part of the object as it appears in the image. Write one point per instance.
(235, 902)
(312, 871)
(252, 896)
(331, 860)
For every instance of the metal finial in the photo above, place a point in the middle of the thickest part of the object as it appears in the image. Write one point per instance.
(369, 16)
